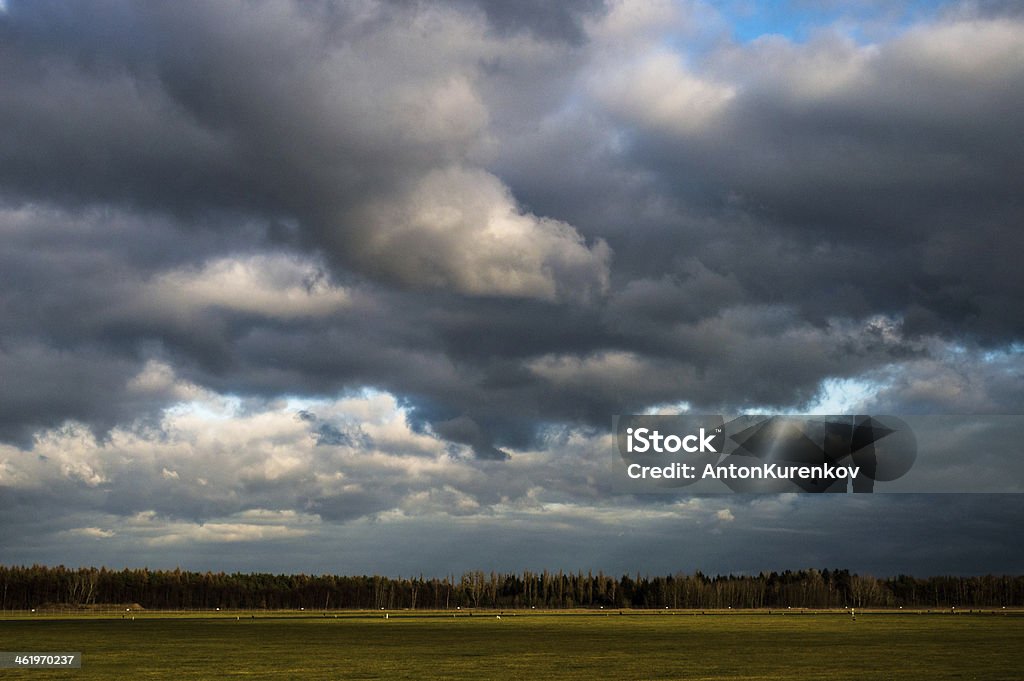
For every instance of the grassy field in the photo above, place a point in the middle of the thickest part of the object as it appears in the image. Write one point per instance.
(527, 646)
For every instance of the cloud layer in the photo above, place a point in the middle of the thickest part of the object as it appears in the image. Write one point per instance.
(270, 268)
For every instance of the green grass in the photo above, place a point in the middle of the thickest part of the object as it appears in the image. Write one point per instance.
(528, 646)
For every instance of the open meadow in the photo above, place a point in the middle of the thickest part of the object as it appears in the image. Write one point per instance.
(667, 645)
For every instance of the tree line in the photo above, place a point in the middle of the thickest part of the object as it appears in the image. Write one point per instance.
(23, 588)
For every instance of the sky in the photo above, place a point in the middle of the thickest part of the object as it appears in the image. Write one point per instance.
(358, 287)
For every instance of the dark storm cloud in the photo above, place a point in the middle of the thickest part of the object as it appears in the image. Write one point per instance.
(883, 174)
(274, 111)
(834, 182)
(43, 387)
(552, 21)
(763, 206)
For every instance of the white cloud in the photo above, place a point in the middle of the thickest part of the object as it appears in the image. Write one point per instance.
(656, 91)
(276, 286)
(989, 50)
(257, 471)
(636, 22)
(220, 533)
(158, 379)
(460, 228)
(635, 74)
(830, 65)
(606, 372)
(93, 532)
(153, 529)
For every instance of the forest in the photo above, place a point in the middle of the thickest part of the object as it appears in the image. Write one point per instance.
(24, 588)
